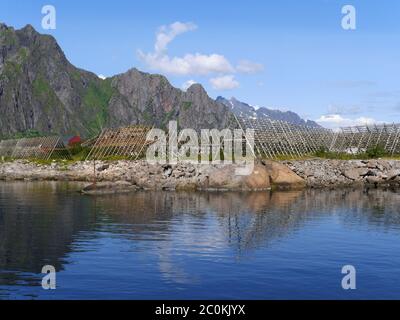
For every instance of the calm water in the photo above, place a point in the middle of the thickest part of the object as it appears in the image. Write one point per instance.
(197, 245)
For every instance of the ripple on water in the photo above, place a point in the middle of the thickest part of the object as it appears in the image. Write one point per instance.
(160, 245)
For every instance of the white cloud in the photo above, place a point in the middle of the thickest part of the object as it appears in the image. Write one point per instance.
(188, 84)
(335, 121)
(190, 63)
(168, 33)
(246, 66)
(102, 77)
(227, 82)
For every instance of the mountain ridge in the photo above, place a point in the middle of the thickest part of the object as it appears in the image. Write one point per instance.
(42, 92)
(243, 109)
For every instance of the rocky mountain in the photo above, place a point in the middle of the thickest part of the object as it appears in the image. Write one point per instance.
(40, 90)
(244, 109)
(152, 99)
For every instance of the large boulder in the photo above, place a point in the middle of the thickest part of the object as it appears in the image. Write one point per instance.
(355, 174)
(283, 177)
(258, 179)
(265, 175)
(226, 178)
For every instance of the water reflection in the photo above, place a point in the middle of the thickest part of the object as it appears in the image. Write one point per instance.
(245, 220)
(46, 223)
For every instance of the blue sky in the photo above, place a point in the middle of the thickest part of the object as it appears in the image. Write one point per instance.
(287, 54)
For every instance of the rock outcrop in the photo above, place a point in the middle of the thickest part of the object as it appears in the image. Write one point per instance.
(336, 173)
(224, 178)
(282, 177)
(153, 100)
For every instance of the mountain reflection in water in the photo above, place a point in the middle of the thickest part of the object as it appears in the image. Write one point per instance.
(194, 245)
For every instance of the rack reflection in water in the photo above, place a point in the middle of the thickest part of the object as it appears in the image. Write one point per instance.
(197, 245)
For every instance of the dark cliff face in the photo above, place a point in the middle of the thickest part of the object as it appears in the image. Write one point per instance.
(41, 91)
(155, 101)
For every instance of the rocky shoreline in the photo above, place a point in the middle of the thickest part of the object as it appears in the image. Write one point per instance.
(126, 176)
(118, 175)
(320, 173)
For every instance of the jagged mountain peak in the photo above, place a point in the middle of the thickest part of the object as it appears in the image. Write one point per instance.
(40, 90)
(246, 110)
(29, 29)
(3, 26)
(196, 88)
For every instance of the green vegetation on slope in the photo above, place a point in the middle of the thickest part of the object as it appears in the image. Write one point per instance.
(22, 134)
(96, 99)
(186, 105)
(45, 94)
(10, 38)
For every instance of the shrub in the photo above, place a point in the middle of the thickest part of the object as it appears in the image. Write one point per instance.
(376, 152)
(321, 152)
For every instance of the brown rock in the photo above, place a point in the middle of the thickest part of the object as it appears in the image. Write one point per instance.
(392, 174)
(374, 180)
(355, 174)
(385, 165)
(225, 178)
(282, 177)
(372, 164)
(259, 179)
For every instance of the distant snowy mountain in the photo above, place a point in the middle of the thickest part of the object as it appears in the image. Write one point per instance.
(244, 109)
